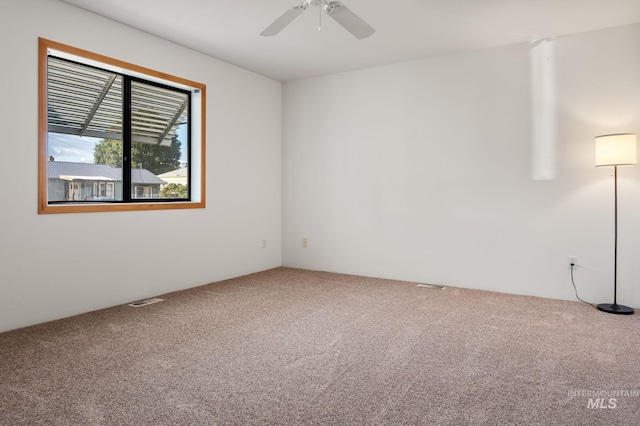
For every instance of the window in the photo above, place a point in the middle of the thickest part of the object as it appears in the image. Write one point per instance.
(115, 136)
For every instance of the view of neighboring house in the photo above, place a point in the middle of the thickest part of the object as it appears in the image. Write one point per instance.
(97, 182)
(179, 176)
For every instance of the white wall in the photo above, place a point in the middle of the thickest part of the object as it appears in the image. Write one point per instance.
(54, 266)
(423, 171)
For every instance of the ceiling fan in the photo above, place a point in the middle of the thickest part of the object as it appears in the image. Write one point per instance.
(336, 10)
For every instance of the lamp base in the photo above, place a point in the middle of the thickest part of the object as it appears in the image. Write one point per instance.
(615, 309)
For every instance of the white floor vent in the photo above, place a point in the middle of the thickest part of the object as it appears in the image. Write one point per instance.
(437, 287)
(145, 302)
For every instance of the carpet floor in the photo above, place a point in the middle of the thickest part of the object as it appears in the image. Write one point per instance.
(296, 347)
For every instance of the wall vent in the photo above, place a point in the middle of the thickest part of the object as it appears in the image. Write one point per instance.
(145, 302)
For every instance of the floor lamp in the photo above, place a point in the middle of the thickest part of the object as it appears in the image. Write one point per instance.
(615, 150)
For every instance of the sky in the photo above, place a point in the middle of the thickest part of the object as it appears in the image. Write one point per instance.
(71, 148)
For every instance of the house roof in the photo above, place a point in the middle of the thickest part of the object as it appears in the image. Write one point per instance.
(145, 176)
(181, 172)
(88, 171)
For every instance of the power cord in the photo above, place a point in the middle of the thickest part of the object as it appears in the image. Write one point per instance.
(576, 290)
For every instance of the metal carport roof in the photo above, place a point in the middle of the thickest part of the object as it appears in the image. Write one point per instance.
(87, 101)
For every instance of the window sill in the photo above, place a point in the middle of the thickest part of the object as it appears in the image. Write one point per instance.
(116, 207)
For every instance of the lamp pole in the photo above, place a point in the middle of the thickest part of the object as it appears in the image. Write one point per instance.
(615, 230)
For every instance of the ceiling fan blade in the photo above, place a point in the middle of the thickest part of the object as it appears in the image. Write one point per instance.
(349, 20)
(284, 20)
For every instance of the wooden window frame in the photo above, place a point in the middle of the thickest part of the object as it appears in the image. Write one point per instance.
(197, 155)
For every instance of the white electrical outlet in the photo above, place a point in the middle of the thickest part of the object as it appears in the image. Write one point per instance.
(573, 260)
(305, 242)
(264, 243)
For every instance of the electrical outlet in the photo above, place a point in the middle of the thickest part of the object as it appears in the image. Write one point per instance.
(264, 243)
(573, 260)
(305, 242)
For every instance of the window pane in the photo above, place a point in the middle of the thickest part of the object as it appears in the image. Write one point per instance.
(159, 147)
(84, 141)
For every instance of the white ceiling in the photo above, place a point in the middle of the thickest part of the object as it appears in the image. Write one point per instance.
(405, 29)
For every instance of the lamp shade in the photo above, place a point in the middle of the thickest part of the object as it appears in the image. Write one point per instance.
(616, 150)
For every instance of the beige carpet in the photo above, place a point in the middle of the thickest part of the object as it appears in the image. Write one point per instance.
(296, 347)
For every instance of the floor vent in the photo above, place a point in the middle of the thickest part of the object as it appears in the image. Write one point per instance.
(145, 302)
(437, 287)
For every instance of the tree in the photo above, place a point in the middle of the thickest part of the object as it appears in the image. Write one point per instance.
(174, 190)
(155, 158)
(109, 152)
